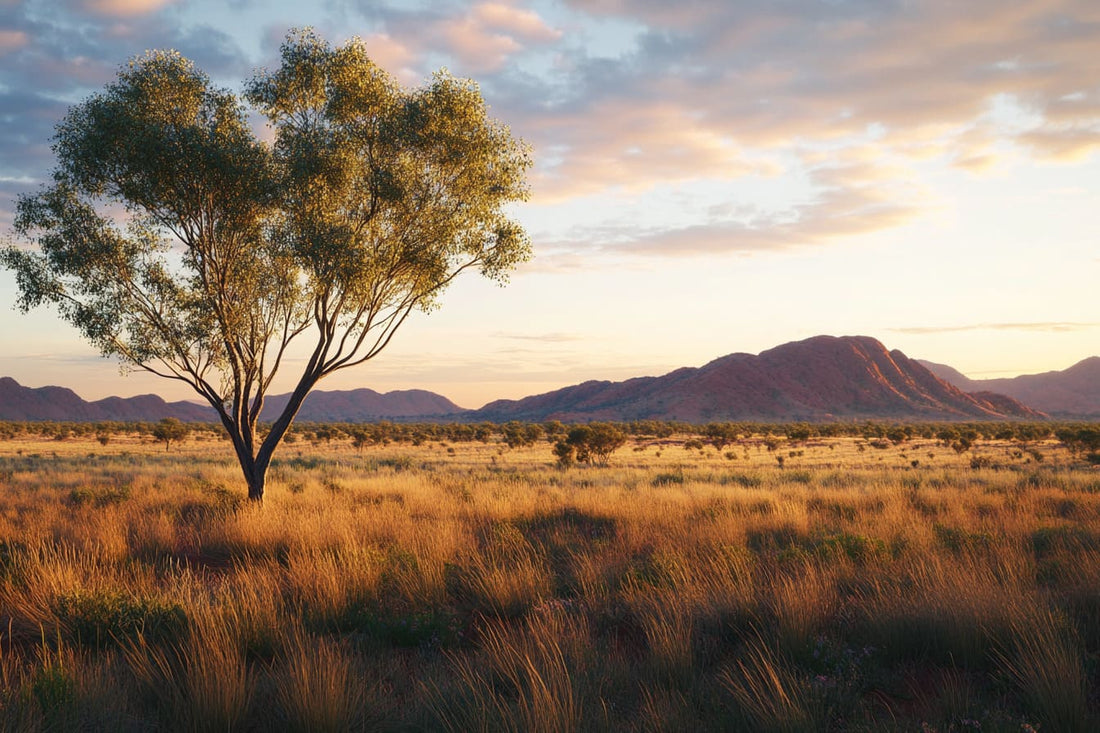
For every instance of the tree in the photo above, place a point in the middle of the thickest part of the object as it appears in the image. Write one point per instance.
(176, 240)
(170, 429)
(1079, 439)
(720, 434)
(519, 435)
(565, 452)
(592, 443)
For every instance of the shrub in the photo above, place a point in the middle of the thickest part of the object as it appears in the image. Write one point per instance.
(101, 618)
(170, 429)
(590, 444)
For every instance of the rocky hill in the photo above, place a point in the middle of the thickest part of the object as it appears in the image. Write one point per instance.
(822, 378)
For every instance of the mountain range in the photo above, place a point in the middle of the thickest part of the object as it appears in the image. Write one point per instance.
(1070, 393)
(60, 403)
(358, 405)
(821, 378)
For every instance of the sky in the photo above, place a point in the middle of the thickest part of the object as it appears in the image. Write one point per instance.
(711, 176)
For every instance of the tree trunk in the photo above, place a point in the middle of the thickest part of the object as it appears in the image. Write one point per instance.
(256, 486)
(254, 465)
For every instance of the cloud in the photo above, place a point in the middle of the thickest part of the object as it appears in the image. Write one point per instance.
(556, 260)
(713, 89)
(486, 37)
(12, 40)
(50, 61)
(122, 8)
(25, 136)
(1046, 326)
(392, 55)
(1063, 145)
(524, 24)
(548, 338)
(629, 146)
(700, 90)
(481, 38)
(851, 199)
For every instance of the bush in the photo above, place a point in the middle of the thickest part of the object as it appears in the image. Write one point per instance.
(170, 429)
(102, 618)
(590, 444)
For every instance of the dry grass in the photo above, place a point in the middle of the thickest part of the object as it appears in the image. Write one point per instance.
(476, 588)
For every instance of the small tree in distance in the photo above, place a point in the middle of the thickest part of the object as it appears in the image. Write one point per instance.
(592, 443)
(177, 241)
(720, 434)
(519, 435)
(170, 429)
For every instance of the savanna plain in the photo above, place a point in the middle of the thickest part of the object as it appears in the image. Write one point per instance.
(777, 579)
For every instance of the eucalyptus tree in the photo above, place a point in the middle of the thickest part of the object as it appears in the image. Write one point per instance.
(177, 240)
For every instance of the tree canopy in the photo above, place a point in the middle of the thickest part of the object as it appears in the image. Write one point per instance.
(178, 241)
(170, 429)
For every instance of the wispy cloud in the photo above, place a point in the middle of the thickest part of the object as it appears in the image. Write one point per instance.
(711, 87)
(1045, 326)
(705, 90)
(548, 338)
(121, 8)
(480, 37)
(851, 198)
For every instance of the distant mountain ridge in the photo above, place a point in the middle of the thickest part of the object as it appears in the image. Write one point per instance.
(62, 404)
(821, 378)
(1070, 393)
(363, 405)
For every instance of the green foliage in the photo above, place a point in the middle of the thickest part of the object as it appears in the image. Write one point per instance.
(170, 429)
(592, 443)
(799, 432)
(518, 435)
(1080, 439)
(53, 687)
(98, 496)
(101, 618)
(427, 630)
(720, 434)
(959, 540)
(1070, 539)
(565, 453)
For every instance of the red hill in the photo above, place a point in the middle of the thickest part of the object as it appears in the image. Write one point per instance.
(821, 378)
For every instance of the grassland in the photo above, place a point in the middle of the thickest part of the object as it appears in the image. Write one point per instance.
(471, 587)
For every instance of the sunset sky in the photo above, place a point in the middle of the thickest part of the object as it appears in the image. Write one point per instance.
(711, 176)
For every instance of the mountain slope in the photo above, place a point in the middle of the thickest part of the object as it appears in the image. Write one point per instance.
(1072, 392)
(821, 378)
(361, 405)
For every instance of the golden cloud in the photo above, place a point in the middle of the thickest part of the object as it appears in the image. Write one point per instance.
(123, 8)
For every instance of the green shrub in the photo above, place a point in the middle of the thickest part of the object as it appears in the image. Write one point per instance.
(102, 618)
(98, 496)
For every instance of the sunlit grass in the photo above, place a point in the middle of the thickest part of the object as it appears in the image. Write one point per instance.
(475, 587)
